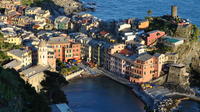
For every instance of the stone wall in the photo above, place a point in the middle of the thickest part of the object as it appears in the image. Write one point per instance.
(159, 81)
(73, 75)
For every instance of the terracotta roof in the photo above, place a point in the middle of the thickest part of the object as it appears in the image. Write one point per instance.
(103, 32)
(126, 52)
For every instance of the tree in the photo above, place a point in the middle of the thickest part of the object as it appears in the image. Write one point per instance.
(1, 35)
(51, 88)
(27, 2)
(195, 34)
(18, 96)
(149, 12)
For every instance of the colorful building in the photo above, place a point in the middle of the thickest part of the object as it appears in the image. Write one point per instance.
(143, 68)
(13, 40)
(143, 24)
(65, 48)
(138, 68)
(63, 23)
(23, 56)
(152, 37)
(32, 10)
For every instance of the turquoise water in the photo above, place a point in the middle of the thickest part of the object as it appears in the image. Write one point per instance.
(172, 40)
(119, 9)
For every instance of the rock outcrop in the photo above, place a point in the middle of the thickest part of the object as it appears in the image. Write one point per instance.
(70, 6)
(62, 7)
(188, 54)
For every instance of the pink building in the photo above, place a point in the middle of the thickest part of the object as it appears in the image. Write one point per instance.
(138, 68)
(153, 36)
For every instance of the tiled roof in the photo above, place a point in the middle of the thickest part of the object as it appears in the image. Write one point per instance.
(17, 52)
(34, 70)
(144, 57)
(12, 64)
(126, 52)
(58, 40)
(152, 31)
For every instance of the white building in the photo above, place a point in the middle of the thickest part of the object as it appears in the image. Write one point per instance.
(172, 41)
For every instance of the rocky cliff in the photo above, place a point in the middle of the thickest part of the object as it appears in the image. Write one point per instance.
(189, 54)
(70, 6)
(61, 7)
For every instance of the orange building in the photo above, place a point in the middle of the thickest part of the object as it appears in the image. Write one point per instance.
(65, 48)
(143, 24)
(142, 69)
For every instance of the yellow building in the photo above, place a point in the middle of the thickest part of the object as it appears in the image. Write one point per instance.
(115, 48)
(32, 10)
(13, 40)
(3, 18)
(23, 56)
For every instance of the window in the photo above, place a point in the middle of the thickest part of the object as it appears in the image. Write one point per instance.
(58, 50)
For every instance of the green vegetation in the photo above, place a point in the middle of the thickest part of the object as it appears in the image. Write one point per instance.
(30, 2)
(163, 49)
(27, 2)
(3, 57)
(51, 88)
(63, 69)
(6, 47)
(1, 35)
(195, 33)
(18, 96)
(169, 25)
(66, 71)
(163, 24)
(149, 12)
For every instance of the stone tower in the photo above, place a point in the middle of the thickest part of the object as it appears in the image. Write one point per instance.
(178, 75)
(174, 11)
(42, 53)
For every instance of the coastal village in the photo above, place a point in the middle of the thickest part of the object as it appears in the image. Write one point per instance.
(124, 50)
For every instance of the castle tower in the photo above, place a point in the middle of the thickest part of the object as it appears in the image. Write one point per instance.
(42, 53)
(174, 11)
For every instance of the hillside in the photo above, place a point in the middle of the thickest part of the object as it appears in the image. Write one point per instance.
(189, 52)
(18, 96)
(57, 7)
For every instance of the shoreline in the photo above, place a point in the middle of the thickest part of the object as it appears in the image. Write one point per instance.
(133, 90)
